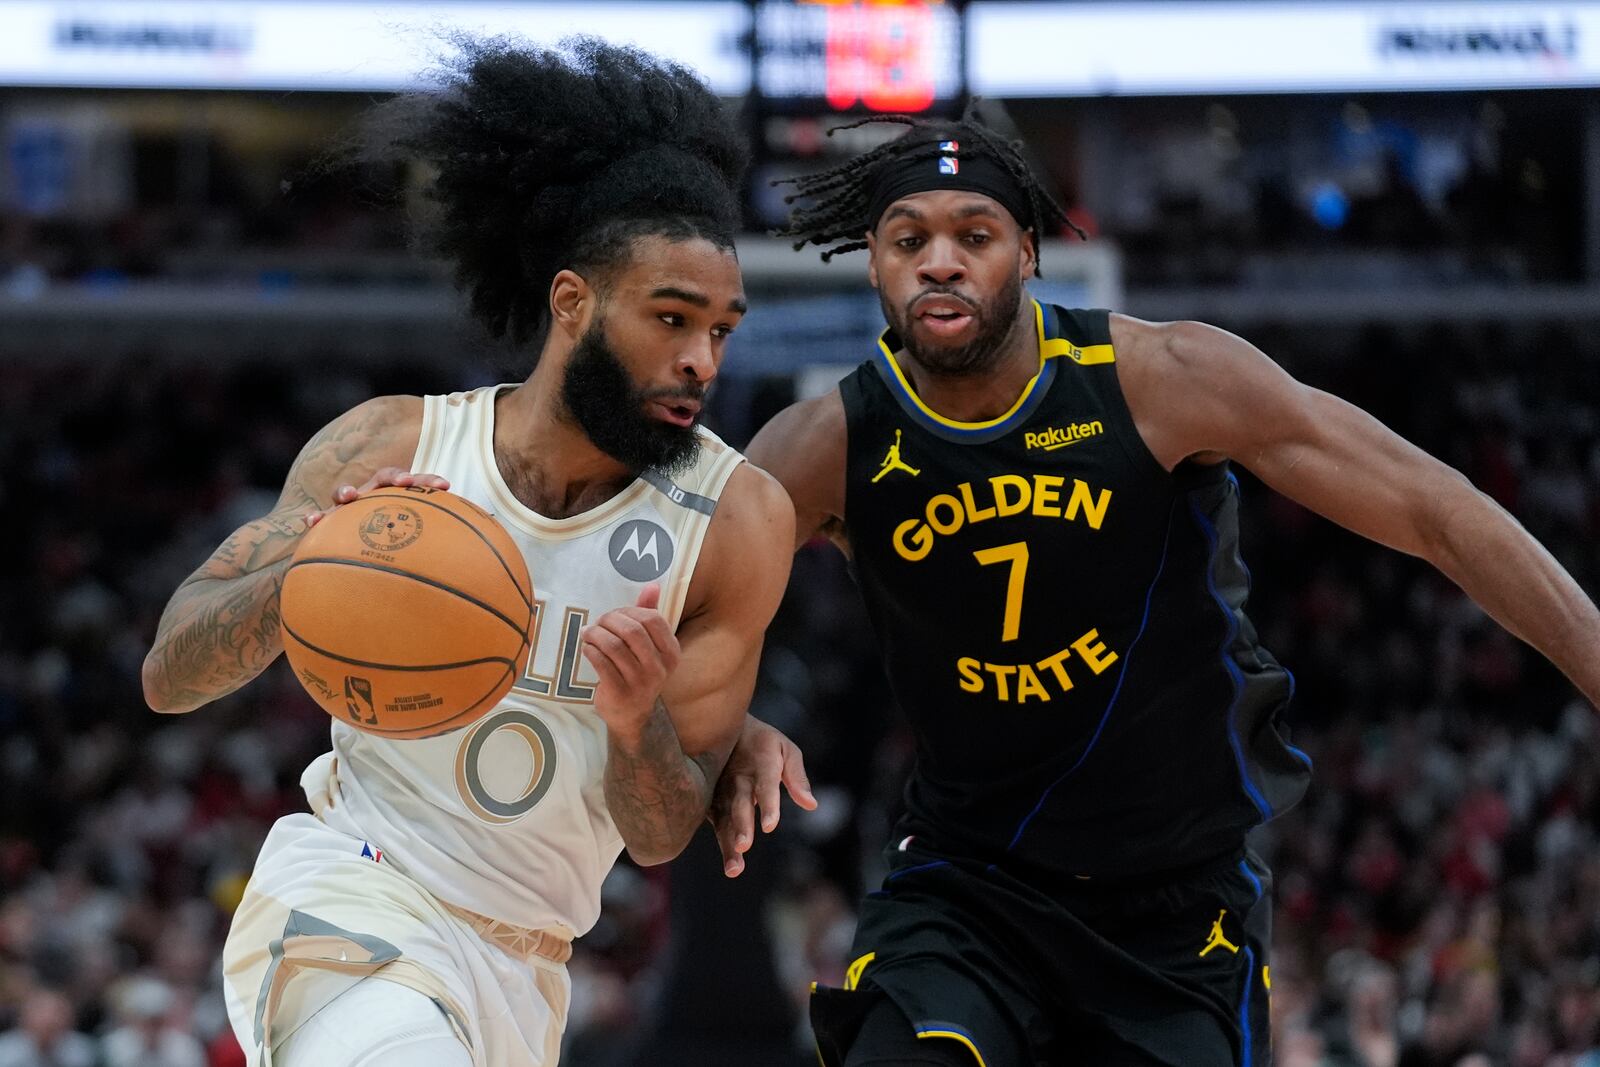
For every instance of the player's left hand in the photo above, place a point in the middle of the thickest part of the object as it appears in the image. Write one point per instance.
(634, 651)
(763, 760)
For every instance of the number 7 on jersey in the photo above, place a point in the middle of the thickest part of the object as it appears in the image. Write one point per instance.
(1015, 554)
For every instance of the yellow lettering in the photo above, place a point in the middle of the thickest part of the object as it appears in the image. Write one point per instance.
(1017, 555)
(1094, 652)
(971, 680)
(1045, 495)
(1024, 490)
(973, 512)
(1094, 427)
(1030, 440)
(1028, 684)
(1054, 663)
(1094, 509)
(1001, 672)
(921, 541)
(947, 501)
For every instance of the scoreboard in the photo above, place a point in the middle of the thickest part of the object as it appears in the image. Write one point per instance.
(847, 55)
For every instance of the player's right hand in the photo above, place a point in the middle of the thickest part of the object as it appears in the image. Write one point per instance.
(762, 760)
(383, 478)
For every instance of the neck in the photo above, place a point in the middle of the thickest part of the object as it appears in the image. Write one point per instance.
(987, 393)
(546, 459)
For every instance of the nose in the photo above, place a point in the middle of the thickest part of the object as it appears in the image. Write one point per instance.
(941, 263)
(698, 361)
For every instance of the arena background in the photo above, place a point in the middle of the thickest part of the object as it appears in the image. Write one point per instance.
(1399, 201)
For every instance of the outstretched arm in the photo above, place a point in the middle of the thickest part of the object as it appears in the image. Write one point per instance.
(221, 627)
(1196, 390)
(674, 703)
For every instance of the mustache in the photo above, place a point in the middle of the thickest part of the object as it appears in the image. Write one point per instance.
(973, 306)
(687, 391)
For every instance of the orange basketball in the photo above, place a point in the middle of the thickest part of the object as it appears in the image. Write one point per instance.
(406, 613)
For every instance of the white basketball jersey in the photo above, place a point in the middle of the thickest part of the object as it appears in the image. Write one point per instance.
(507, 817)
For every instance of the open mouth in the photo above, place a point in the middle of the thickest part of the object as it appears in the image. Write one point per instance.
(943, 315)
(676, 412)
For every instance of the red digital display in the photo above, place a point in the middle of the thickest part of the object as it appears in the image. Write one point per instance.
(881, 55)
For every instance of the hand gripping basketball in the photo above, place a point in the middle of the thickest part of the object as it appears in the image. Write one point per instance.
(634, 651)
(382, 478)
(406, 609)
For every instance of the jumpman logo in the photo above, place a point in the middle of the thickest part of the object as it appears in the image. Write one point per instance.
(1218, 938)
(893, 462)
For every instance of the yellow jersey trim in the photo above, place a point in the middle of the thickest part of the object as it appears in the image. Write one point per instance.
(954, 1036)
(1049, 348)
(1027, 390)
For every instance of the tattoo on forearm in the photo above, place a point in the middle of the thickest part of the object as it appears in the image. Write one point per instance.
(230, 633)
(657, 795)
(223, 625)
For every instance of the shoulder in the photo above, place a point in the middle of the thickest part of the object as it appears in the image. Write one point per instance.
(805, 448)
(389, 418)
(385, 428)
(377, 433)
(800, 430)
(805, 440)
(753, 514)
(1197, 391)
(747, 553)
(1179, 347)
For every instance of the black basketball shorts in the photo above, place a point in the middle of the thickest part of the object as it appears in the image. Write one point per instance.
(1170, 971)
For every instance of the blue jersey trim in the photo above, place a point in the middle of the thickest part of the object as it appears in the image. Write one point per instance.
(1295, 752)
(1234, 674)
(1244, 867)
(1244, 1007)
(919, 867)
(1115, 693)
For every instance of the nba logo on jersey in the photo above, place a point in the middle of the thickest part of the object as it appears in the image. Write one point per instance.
(370, 853)
(949, 165)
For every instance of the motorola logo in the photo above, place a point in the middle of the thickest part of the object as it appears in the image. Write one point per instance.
(640, 550)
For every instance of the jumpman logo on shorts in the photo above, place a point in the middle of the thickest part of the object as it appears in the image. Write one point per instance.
(1218, 938)
(893, 462)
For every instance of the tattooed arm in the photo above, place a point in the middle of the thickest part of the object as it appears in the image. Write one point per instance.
(674, 703)
(221, 627)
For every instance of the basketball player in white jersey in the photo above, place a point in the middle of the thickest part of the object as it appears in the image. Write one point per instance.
(421, 913)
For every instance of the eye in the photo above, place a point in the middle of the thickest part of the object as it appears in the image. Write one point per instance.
(721, 331)
(978, 239)
(909, 243)
(671, 318)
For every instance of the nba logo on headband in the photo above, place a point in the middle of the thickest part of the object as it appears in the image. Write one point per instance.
(949, 146)
(949, 165)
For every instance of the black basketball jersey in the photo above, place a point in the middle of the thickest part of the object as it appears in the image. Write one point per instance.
(1063, 621)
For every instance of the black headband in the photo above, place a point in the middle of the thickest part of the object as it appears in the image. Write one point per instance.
(957, 164)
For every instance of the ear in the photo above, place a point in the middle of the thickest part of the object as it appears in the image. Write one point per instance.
(572, 303)
(1028, 257)
(872, 259)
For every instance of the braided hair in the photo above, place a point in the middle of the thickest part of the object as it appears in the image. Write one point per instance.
(552, 159)
(839, 197)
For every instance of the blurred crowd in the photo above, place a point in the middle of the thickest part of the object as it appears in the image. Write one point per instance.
(1437, 894)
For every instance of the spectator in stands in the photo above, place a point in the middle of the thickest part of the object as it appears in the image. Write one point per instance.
(45, 1037)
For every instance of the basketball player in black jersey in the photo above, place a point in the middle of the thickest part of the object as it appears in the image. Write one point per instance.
(1039, 509)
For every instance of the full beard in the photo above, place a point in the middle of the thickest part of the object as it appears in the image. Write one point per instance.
(995, 319)
(602, 398)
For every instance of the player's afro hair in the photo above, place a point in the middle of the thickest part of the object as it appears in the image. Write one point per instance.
(551, 159)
